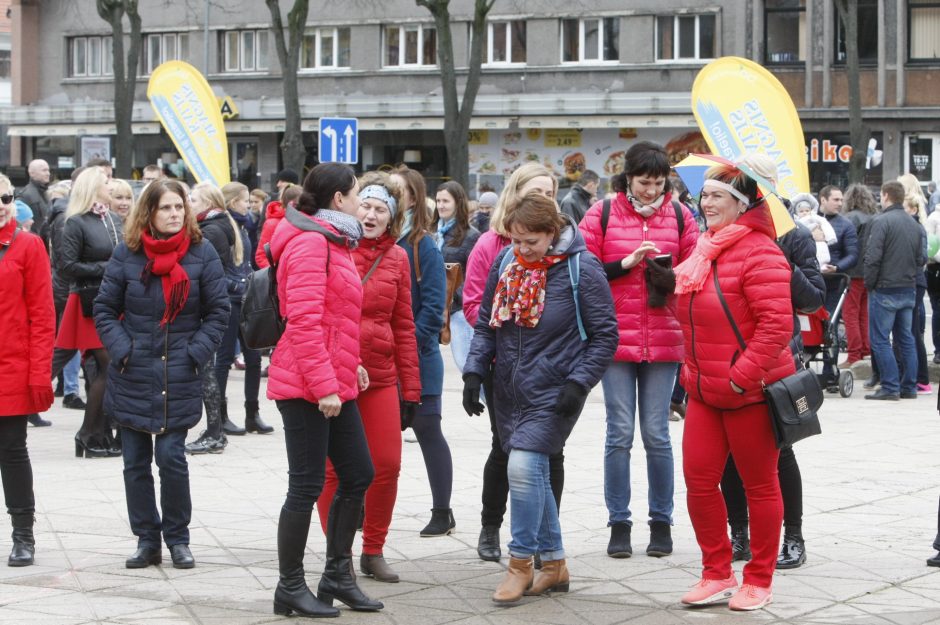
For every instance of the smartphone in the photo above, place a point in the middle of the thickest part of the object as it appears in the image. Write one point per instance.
(664, 260)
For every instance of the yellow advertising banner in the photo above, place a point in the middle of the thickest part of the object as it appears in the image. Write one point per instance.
(478, 137)
(191, 115)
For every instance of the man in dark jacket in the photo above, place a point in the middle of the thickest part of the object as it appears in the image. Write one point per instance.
(34, 193)
(581, 196)
(897, 250)
(843, 256)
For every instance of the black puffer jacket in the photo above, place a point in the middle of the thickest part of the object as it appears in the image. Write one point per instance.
(807, 286)
(454, 252)
(897, 250)
(220, 233)
(54, 229)
(844, 252)
(532, 365)
(88, 240)
(862, 222)
(159, 387)
(576, 203)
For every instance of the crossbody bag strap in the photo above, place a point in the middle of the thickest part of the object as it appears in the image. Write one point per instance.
(368, 275)
(417, 257)
(724, 305)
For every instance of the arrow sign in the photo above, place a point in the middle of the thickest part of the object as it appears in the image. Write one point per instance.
(339, 140)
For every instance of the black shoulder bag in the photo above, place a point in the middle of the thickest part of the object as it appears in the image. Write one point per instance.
(794, 401)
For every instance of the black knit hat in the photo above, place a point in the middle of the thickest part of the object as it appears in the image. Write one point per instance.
(288, 175)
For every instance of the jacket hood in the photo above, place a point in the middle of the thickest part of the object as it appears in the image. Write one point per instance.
(804, 198)
(286, 231)
(274, 210)
(759, 220)
(570, 240)
(59, 205)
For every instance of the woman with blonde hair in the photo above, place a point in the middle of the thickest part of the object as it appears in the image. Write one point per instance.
(529, 177)
(122, 197)
(915, 205)
(90, 235)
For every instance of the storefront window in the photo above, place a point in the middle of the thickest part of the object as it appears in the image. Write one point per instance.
(590, 40)
(685, 37)
(867, 34)
(785, 31)
(924, 27)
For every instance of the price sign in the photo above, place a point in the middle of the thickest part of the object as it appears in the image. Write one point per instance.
(562, 138)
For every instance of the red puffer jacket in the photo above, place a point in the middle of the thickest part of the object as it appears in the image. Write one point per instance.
(27, 317)
(272, 217)
(387, 344)
(755, 281)
(646, 334)
(321, 298)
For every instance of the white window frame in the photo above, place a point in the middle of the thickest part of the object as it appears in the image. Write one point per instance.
(235, 60)
(402, 29)
(488, 53)
(600, 42)
(675, 38)
(164, 53)
(104, 66)
(317, 35)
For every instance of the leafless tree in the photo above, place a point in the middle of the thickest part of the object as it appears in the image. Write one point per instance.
(858, 132)
(288, 46)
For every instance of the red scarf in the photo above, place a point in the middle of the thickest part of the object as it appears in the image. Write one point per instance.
(6, 232)
(520, 291)
(165, 256)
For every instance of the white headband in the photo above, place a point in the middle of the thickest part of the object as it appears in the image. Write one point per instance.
(378, 192)
(724, 186)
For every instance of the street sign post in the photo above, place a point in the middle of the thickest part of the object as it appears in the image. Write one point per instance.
(339, 140)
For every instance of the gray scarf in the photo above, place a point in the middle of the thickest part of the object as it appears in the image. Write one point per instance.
(347, 225)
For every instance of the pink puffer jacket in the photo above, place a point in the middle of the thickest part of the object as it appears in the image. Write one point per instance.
(321, 298)
(646, 334)
(481, 259)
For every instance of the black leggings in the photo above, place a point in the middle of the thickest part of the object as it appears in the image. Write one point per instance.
(495, 482)
(791, 489)
(225, 356)
(95, 430)
(437, 458)
(16, 471)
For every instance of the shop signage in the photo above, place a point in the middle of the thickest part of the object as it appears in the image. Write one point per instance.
(478, 137)
(227, 108)
(339, 140)
(562, 138)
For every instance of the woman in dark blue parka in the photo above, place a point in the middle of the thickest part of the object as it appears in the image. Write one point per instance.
(551, 345)
(161, 312)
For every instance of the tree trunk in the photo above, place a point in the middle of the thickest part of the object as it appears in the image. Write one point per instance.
(457, 116)
(288, 45)
(125, 77)
(858, 131)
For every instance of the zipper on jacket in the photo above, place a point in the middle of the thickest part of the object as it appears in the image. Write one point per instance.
(698, 370)
(645, 305)
(166, 379)
(515, 369)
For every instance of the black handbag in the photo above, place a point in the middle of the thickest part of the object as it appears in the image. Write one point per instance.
(86, 295)
(794, 401)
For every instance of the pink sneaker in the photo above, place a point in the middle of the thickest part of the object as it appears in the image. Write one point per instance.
(750, 597)
(710, 591)
(924, 389)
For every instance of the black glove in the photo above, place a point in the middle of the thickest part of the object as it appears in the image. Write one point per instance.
(471, 394)
(571, 399)
(408, 411)
(660, 282)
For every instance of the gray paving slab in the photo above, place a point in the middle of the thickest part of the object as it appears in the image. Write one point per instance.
(871, 484)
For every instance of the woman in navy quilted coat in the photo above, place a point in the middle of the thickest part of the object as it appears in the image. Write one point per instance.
(544, 367)
(161, 312)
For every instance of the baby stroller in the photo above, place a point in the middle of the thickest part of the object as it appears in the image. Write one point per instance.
(820, 333)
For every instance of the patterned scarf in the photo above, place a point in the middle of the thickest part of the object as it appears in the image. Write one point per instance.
(164, 260)
(520, 292)
(100, 209)
(646, 211)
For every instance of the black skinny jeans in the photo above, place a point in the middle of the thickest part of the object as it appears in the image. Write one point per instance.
(16, 471)
(791, 490)
(495, 482)
(225, 356)
(311, 438)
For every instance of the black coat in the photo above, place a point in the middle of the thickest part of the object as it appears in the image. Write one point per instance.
(34, 195)
(862, 222)
(532, 365)
(87, 243)
(844, 252)
(53, 230)
(154, 382)
(576, 203)
(807, 286)
(220, 233)
(896, 252)
(454, 252)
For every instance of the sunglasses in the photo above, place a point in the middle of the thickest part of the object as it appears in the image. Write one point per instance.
(6, 198)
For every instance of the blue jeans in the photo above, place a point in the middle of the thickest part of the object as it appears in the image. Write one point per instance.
(460, 335)
(70, 375)
(534, 524)
(649, 384)
(139, 450)
(891, 314)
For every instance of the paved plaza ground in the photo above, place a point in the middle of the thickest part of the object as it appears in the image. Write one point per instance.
(871, 486)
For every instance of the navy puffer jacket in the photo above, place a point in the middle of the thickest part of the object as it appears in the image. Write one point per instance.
(532, 364)
(159, 387)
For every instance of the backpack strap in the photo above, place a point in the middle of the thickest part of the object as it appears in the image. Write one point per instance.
(417, 257)
(605, 217)
(680, 218)
(507, 258)
(574, 274)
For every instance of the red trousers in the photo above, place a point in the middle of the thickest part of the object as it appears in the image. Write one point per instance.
(381, 420)
(855, 317)
(709, 435)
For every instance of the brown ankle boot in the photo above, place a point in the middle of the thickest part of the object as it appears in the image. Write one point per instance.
(517, 581)
(552, 578)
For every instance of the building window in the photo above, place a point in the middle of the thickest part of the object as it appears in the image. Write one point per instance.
(591, 40)
(785, 31)
(867, 34)
(162, 47)
(244, 51)
(89, 57)
(505, 42)
(924, 28)
(686, 37)
(411, 45)
(4, 63)
(325, 48)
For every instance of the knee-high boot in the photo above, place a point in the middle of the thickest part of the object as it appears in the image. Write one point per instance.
(337, 581)
(292, 594)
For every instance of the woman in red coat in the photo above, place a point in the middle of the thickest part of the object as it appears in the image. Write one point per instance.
(737, 259)
(389, 352)
(27, 317)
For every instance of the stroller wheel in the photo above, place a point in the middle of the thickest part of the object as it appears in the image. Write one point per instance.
(846, 383)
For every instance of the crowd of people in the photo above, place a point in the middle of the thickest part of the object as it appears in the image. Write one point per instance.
(679, 307)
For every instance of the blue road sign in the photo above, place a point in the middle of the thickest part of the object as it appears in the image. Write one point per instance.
(339, 140)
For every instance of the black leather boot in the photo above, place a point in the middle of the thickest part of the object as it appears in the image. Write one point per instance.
(337, 581)
(293, 594)
(227, 426)
(793, 551)
(619, 545)
(488, 545)
(24, 544)
(660, 539)
(253, 422)
(442, 523)
(740, 544)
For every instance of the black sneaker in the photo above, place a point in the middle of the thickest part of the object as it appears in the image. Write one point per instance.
(619, 545)
(884, 395)
(206, 444)
(660, 539)
(73, 401)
